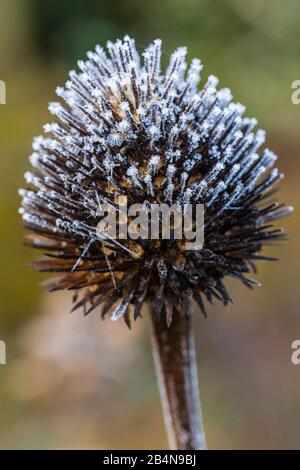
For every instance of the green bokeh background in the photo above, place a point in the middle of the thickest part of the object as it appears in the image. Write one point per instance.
(250, 389)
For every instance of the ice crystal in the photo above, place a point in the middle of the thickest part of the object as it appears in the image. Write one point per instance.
(124, 128)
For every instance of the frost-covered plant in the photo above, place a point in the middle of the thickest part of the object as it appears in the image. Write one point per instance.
(125, 128)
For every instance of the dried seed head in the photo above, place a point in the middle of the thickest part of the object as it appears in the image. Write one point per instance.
(126, 129)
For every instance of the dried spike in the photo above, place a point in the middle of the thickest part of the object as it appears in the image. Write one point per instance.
(124, 128)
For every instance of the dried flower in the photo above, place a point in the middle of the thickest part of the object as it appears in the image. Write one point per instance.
(126, 129)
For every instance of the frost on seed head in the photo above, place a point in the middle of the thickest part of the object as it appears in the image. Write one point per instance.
(123, 127)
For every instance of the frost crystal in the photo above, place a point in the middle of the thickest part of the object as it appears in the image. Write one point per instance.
(125, 128)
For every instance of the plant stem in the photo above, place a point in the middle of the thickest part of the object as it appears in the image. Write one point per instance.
(176, 370)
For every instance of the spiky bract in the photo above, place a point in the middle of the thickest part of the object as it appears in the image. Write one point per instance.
(124, 128)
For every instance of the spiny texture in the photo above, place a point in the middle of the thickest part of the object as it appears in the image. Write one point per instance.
(126, 129)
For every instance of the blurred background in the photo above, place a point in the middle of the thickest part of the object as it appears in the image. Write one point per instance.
(74, 382)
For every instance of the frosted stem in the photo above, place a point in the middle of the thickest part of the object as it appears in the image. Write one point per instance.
(176, 369)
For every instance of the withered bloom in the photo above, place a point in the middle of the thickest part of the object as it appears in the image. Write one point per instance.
(124, 128)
